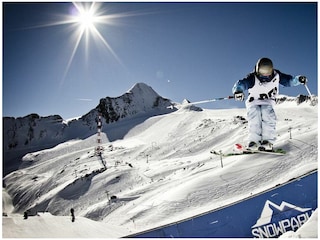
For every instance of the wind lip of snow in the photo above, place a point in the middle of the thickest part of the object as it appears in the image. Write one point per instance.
(67, 121)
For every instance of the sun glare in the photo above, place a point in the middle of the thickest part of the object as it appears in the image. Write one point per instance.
(86, 20)
(86, 17)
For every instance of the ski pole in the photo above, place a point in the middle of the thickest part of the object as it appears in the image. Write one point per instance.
(312, 99)
(211, 100)
(308, 90)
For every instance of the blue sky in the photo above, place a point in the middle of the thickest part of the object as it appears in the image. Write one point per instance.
(182, 50)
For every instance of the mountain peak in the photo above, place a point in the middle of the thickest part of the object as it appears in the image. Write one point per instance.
(142, 89)
(141, 98)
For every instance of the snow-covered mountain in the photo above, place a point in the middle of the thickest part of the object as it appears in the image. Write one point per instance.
(159, 166)
(139, 99)
(32, 133)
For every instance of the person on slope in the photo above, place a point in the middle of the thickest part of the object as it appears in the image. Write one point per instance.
(263, 87)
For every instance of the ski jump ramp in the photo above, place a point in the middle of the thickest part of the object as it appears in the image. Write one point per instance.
(283, 208)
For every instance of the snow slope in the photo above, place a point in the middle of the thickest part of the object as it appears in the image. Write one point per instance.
(161, 171)
(33, 133)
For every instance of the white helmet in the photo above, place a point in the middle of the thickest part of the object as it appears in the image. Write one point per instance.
(264, 70)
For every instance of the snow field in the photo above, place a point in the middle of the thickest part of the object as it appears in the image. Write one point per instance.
(162, 170)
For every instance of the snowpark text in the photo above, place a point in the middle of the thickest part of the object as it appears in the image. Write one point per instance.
(283, 226)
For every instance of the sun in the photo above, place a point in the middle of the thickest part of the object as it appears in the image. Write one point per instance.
(88, 20)
(86, 17)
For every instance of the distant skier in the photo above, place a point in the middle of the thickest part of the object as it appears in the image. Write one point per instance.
(73, 218)
(263, 87)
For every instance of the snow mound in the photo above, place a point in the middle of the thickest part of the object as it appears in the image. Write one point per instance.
(45, 225)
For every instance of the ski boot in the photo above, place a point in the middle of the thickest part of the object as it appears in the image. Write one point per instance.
(252, 146)
(266, 146)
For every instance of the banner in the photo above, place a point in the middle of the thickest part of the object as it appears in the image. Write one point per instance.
(269, 214)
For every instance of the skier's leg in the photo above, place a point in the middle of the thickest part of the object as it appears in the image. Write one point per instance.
(269, 121)
(254, 123)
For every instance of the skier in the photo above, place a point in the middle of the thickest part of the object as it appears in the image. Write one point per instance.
(263, 87)
(73, 218)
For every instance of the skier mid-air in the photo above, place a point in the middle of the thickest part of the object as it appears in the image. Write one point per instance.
(263, 87)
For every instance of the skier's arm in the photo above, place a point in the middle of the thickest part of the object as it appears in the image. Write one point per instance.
(288, 80)
(244, 84)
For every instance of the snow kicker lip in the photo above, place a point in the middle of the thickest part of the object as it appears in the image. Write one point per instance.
(227, 223)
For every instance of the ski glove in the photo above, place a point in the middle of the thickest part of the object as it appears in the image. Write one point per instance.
(303, 80)
(239, 96)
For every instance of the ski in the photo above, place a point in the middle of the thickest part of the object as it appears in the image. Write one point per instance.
(278, 152)
(227, 154)
(241, 150)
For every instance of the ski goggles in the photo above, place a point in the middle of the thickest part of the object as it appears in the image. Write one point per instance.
(265, 78)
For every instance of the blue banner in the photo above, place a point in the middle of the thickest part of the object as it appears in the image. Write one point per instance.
(269, 214)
